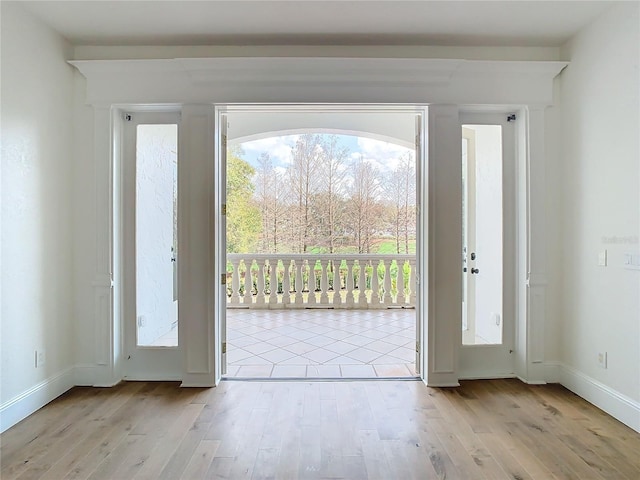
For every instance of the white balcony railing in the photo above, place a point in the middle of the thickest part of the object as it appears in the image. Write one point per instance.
(279, 281)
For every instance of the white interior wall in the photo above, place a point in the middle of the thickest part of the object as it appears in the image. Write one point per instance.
(599, 198)
(37, 293)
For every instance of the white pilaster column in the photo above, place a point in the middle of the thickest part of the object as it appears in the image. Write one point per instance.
(196, 247)
(532, 238)
(444, 295)
(106, 320)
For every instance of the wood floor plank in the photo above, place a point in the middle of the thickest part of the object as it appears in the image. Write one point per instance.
(200, 461)
(164, 449)
(497, 429)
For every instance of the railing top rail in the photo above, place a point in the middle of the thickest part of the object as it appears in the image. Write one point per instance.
(320, 256)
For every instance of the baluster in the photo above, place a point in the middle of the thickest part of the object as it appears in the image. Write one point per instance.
(350, 285)
(298, 281)
(235, 281)
(273, 281)
(386, 297)
(337, 283)
(412, 282)
(311, 300)
(286, 282)
(260, 294)
(248, 283)
(400, 299)
(375, 286)
(362, 285)
(324, 282)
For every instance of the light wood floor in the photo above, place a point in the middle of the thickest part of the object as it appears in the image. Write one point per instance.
(498, 429)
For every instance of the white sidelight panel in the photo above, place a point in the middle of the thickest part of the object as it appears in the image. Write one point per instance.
(156, 299)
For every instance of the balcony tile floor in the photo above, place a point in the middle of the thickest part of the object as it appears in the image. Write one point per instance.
(320, 343)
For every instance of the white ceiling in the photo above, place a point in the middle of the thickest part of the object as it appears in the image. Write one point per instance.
(266, 22)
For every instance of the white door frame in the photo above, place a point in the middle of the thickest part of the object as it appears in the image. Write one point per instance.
(220, 222)
(197, 84)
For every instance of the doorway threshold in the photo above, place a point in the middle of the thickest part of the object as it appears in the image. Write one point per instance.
(321, 379)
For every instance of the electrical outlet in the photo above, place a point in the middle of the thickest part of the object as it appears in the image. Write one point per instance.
(40, 358)
(602, 359)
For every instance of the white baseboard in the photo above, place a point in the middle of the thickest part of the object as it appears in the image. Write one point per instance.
(23, 405)
(484, 376)
(619, 406)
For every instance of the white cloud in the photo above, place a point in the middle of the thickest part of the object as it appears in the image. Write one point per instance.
(382, 154)
(278, 148)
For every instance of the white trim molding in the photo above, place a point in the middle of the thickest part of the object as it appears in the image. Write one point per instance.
(607, 399)
(616, 404)
(195, 85)
(36, 397)
(322, 80)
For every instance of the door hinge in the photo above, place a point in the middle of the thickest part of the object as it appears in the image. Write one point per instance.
(417, 347)
(223, 278)
(224, 347)
(224, 209)
(224, 142)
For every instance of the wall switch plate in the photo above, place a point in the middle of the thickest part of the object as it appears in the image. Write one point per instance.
(602, 359)
(631, 261)
(40, 359)
(602, 258)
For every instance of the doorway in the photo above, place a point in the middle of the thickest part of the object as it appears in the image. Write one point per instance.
(326, 288)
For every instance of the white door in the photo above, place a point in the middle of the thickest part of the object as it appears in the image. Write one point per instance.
(149, 243)
(420, 242)
(488, 246)
(221, 242)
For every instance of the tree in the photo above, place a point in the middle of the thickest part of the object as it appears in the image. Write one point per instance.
(243, 215)
(400, 192)
(268, 195)
(364, 209)
(305, 161)
(330, 203)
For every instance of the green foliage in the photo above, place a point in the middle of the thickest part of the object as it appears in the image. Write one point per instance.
(389, 247)
(243, 215)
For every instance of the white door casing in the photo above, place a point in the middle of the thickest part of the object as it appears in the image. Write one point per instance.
(194, 85)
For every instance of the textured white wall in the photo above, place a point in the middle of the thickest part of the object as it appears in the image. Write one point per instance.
(600, 200)
(37, 294)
